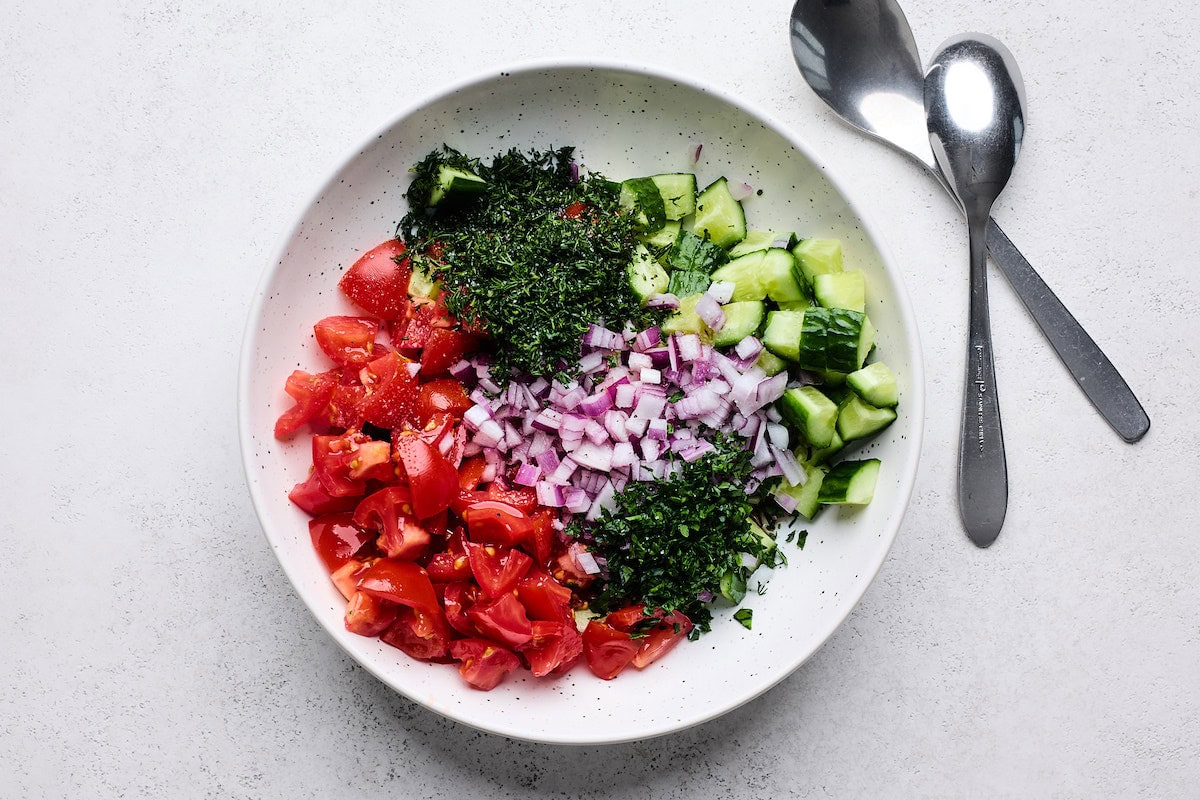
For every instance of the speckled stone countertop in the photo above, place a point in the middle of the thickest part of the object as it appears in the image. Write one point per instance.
(153, 154)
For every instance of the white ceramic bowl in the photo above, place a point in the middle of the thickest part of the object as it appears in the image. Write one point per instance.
(624, 122)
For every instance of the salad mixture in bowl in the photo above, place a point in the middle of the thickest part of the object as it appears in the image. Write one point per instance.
(581, 408)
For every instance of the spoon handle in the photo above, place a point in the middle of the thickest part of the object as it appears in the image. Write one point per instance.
(1092, 370)
(982, 471)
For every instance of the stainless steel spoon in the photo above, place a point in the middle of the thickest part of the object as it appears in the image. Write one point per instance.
(860, 57)
(975, 111)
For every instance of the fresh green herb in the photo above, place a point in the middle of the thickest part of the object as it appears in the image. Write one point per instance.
(531, 259)
(744, 616)
(677, 543)
(801, 538)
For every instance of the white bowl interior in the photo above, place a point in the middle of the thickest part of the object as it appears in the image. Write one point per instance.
(624, 123)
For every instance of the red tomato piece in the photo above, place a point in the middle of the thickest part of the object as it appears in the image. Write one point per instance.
(378, 281)
(423, 320)
(457, 599)
(443, 349)
(389, 511)
(391, 400)
(444, 395)
(574, 211)
(483, 664)
(543, 537)
(345, 577)
(342, 411)
(632, 618)
(367, 615)
(522, 498)
(336, 539)
(545, 598)
(608, 650)
(347, 340)
(502, 620)
(312, 497)
(420, 634)
(400, 582)
(311, 393)
(345, 463)
(434, 481)
(470, 473)
(555, 646)
(673, 629)
(493, 522)
(446, 567)
(497, 569)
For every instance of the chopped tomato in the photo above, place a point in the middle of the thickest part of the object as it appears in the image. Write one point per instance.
(521, 497)
(437, 430)
(502, 620)
(673, 629)
(433, 479)
(421, 634)
(444, 395)
(542, 537)
(493, 522)
(446, 567)
(345, 577)
(342, 411)
(470, 473)
(347, 340)
(545, 598)
(391, 400)
(457, 599)
(444, 349)
(311, 393)
(632, 618)
(345, 463)
(554, 646)
(336, 538)
(367, 615)
(483, 664)
(497, 569)
(312, 497)
(400, 582)
(574, 210)
(608, 650)
(423, 320)
(389, 511)
(378, 282)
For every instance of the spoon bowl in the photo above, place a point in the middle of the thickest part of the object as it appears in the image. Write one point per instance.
(975, 110)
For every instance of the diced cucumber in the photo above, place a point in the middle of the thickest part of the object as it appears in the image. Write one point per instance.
(866, 341)
(876, 384)
(686, 281)
(850, 483)
(841, 290)
(678, 192)
(745, 273)
(765, 539)
(742, 319)
(858, 419)
(782, 334)
(829, 339)
(821, 455)
(646, 276)
(831, 377)
(454, 182)
(685, 319)
(770, 363)
(813, 414)
(818, 257)
(778, 277)
(663, 238)
(640, 197)
(691, 252)
(806, 494)
(422, 286)
(755, 240)
(719, 216)
(795, 305)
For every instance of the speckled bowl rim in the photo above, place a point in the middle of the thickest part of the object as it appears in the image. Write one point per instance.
(914, 399)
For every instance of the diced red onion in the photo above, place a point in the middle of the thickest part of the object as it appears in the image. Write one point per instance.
(721, 291)
(709, 310)
(647, 339)
(663, 300)
(549, 494)
(527, 474)
(740, 191)
(596, 404)
(790, 468)
(463, 370)
(748, 349)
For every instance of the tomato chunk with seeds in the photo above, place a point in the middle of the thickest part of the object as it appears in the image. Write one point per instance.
(608, 650)
(347, 340)
(483, 664)
(336, 538)
(391, 400)
(401, 582)
(497, 569)
(389, 512)
(433, 479)
(502, 620)
(668, 633)
(310, 495)
(311, 394)
(367, 615)
(555, 646)
(444, 396)
(421, 634)
(494, 522)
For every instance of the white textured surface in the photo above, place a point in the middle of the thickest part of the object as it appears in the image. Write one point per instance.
(152, 156)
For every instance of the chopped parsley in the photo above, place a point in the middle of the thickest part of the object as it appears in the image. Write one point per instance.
(533, 259)
(744, 616)
(678, 543)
